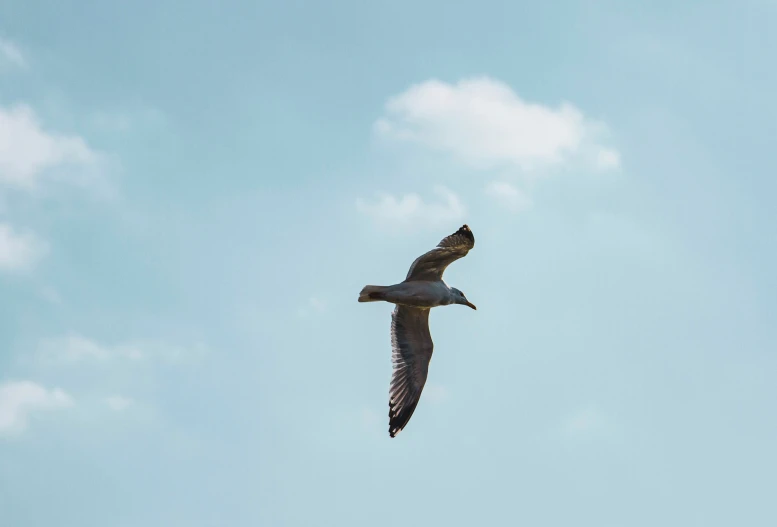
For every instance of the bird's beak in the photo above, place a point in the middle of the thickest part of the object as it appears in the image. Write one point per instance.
(470, 304)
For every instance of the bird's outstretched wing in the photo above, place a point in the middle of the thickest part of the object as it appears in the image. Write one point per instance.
(412, 350)
(431, 266)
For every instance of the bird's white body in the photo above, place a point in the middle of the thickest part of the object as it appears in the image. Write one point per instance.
(423, 294)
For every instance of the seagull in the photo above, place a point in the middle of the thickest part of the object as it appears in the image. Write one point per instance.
(411, 341)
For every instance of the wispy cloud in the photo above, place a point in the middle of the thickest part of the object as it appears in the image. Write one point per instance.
(484, 123)
(118, 403)
(411, 209)
(27, 151)
(132, 117)
(19, 251)
(74, 347)
(29, 154)
(20, 399)
(11, 54)
(607, 159)
(509, 196)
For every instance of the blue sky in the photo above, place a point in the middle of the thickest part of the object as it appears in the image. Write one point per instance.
(192, 195)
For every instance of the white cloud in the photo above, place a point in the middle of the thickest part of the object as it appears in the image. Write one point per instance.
(508, 195)
(28, 153)
(74, 347)
(482, 122)
(27, 150)
(19, 251)
(20, 399)
(10, 53)
(118, 403)
(411, 209)
(607, 158)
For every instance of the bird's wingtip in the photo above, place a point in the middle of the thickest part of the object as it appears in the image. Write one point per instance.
(465, 231)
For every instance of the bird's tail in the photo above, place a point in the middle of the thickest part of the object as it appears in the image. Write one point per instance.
(372, 293)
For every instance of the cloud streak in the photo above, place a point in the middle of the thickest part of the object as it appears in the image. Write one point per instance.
(19, 251)
(27, 151)
(411, 209)
(118, 403)
(509, 196)
(75, 348)
(10, 53)
(19, 400)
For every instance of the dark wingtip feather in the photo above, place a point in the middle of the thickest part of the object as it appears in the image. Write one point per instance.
(398, 419)
(464, 230)
(463, 236)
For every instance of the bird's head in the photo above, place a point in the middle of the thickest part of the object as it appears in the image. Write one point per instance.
(459, 298)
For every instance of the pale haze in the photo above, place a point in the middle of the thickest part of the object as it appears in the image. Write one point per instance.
(192, 195)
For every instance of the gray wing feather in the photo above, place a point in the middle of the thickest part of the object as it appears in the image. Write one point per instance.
(432, 265)
(412, 350)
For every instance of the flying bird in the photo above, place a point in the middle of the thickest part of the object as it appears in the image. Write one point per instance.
(411, 342)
